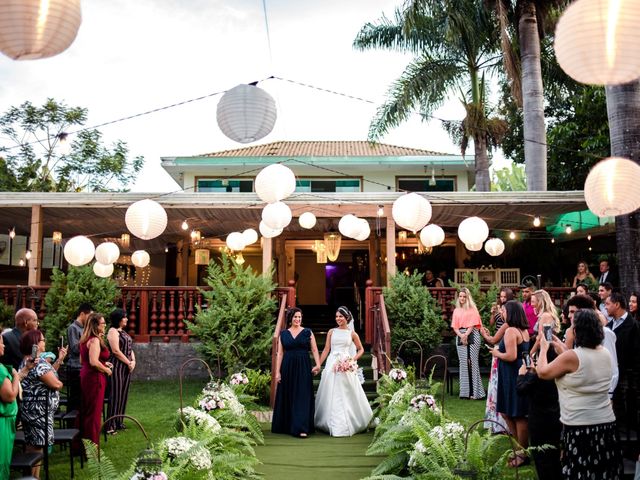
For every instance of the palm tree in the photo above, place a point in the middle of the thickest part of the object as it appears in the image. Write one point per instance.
(454, 43)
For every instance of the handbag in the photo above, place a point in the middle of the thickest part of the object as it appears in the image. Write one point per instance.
(469, 338)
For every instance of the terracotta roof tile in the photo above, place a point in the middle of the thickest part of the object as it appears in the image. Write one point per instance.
(323, 149)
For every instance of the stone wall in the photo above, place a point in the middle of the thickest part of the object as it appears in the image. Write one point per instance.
(161, 361)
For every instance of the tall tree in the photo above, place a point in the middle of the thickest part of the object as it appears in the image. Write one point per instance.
(34, 162)
(454, 44)
(623, 108)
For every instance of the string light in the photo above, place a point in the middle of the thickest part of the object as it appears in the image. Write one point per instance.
(589, 237)
(27, 254)
(12, 233)
(553, 240)
(536, 221)
(568, 230)
(512, 235)
(380, 211)
(185, 225)
(21, 262)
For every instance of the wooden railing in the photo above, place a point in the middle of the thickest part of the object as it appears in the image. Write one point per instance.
(377, 327)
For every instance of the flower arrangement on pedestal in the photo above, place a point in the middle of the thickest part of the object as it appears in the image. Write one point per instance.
(398, 374)
(219, 396)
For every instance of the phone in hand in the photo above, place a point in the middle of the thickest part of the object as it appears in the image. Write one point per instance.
(548, 333)
(61, 341)
(526, 358)
(34, 352)
(490, 347)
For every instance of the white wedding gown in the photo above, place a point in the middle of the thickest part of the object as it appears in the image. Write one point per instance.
(342, 408)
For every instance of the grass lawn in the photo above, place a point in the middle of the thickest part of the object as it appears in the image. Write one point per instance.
(155, 404)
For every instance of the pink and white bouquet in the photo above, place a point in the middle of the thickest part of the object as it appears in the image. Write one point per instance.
(238, 379)
(421, 401)
(345, 365)
(219, 396)
(397, 374)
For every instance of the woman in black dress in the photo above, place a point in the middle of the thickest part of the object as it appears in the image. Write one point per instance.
(124, 361)
(294, 408)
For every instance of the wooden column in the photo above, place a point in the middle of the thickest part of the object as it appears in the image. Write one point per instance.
(35, 245)
(184, 262)
(290, 261)
(391, 248)
(374, 252)
(267, 255)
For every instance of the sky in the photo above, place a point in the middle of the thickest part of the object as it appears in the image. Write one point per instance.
(133, 56)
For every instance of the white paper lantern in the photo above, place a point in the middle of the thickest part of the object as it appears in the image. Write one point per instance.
(276, 215)
(268, 232)
(274, 183)
(140, 258)
(596, 41)
(102, 270)
(235, 241)
(107, 252)
(411, 211)
(146, 219)
(79, 251)
(494, 247)
(432, 235)
(348, 225)
(250, 236)
(473, 230)
(364, 230)
(473, 247)
(246, 113)
(611, 187)
(307, 220)
(32, 29)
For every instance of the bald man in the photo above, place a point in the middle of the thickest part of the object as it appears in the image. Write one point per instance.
(25, 320)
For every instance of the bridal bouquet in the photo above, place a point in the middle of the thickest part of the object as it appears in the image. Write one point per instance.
(398, 374)
(345, 365)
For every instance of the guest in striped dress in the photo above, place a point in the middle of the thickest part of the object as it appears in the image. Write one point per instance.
(466, 324)
(124, 361)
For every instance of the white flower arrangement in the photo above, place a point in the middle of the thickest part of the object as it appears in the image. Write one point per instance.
(421, 401)
(398, 374)
(418, 448)
(400, 395)
(219, 396)
(198, 456)
(200, 418)
(150, 476)
(448, 430)
(238, 379)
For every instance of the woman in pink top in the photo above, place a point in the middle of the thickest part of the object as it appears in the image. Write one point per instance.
(466, 323)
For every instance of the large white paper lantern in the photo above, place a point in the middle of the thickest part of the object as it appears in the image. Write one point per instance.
(348, 225)
(432, 236)
(107, 252)
(611, 187)
(276, 215)
(102, 270)
(473, 231)
(79, 251)
(364, 230)
(494, 247)
(596, 41)
(146, 219)
(473, 247)
(250, 236)
(246, 113)
(411, 211)
(274, 183)
(32, 29)
(140, 258)
(268, 232)
(235, 241)
(307, 220)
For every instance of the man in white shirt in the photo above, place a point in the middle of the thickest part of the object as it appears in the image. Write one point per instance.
(604, 290)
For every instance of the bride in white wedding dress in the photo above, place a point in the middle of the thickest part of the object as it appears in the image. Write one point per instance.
(342, 408)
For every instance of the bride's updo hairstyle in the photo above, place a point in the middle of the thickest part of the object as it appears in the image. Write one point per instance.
(344, 311)
(290, 313)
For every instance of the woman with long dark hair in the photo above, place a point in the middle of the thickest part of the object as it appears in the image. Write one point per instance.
(124, 361)
(295, 406)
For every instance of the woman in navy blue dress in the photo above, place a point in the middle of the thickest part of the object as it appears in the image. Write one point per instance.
(294, 409)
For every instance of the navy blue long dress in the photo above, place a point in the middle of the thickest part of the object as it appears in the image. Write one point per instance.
(294, 409)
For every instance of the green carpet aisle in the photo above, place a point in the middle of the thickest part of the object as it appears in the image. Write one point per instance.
(319, 457)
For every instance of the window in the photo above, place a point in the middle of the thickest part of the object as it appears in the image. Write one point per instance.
(208, 185)
(322, 185)
(421, 184)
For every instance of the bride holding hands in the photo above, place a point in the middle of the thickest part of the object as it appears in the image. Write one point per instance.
(342, 408)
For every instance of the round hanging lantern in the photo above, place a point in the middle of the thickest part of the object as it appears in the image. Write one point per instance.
(596, 41)
(246, 113)
(268, 232)
(610, 189)
(274, 183)
(102, 270)
(473, 247)
(364, 230)
(146, 219)
(79, 251)
(432, 235)
(276, 215)
(307, 220)
(249, 236)
(473, 230)
(411, 211)
(107, 253)
(349, 225)
(494, 247)
(235, 241)
(32, 29)
(140, 258)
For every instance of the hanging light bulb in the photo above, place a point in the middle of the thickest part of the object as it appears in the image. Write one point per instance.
(512, 235)
(185, 225)
(380, 211)
(166, 249)
(12, 233)
(21, 263)
(196, 235)
(590, 249)
(553, 240)
(27, 254)
(568, 230)
(536, 221)
(239, 258)
(589, 237)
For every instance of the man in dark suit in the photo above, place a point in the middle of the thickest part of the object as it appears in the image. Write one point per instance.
(25, 319)
(606, 275)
